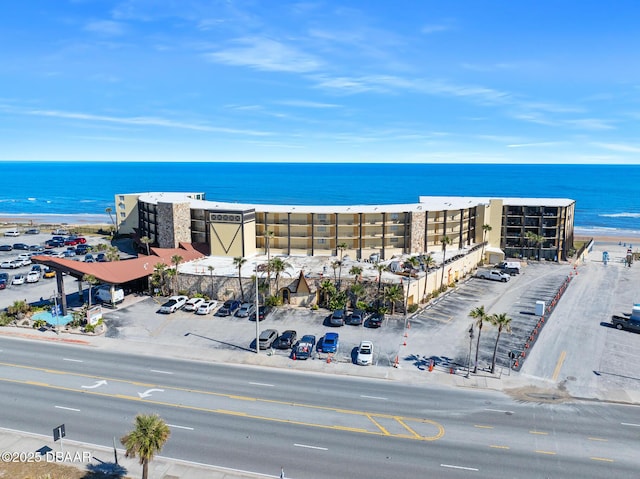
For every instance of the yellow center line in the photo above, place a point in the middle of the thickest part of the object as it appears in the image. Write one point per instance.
(542, 433)
(378, 425)
(415, 434)
(556, 371)
(500, 447)
(550, 453)
(598, 439)
(479, 426)
(604, 459)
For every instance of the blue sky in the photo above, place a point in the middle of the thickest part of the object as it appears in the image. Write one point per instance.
(544, 81)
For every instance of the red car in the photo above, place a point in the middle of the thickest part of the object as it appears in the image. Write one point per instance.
(74, 240)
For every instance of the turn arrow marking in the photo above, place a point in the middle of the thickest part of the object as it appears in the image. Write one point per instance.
(96, 385)
(148, 392)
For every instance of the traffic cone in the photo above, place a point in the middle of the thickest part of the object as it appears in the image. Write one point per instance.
(406, 335)
(328, 359)
(395, 362)
(408, 324)
(516, 364)
(404, 343)
(294, 356)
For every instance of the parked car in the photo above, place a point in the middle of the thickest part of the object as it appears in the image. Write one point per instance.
(228, 308)
(365, 353)
(101, 258)
(245, 310)
(286, 340)
(329, 343)
(88, 258)
(11, 264)
(25, 260)
(83, 249)
(6, 247)
(36, 247)
(61, 232)
(21, 246)
(69, 253)
(75, 239)
(304, 347)
(193, 304)
(53, 243)
(12, 232)
(49, 273)
(356, 318)
(375, 320)
(173, 304)
(337, 318)
(18, 279)
(263, 312)
(105, 294)
(3, 284)
(206, 307)
(32, 231)
(33, 277)
(267, 337)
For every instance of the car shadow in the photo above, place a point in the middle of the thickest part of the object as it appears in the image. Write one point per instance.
(235, 346)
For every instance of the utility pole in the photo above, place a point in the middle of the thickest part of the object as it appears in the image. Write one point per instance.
(470, 345)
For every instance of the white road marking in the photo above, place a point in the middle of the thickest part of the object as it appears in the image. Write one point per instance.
(148, 392)
(499, 410)
(68, 408)
(374, 397)
(160, 372)
(96, 385)
(459, 467)
(311, 447)
(180, 427)
(630, 424)
(262, 384)
(73, 360)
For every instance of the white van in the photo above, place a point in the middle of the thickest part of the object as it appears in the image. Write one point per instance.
(103, 293)
(12, 232)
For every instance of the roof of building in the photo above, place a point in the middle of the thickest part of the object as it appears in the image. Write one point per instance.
(119, 272)
(425, 203)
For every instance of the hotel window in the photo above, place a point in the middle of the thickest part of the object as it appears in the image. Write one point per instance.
(121, 197)
(123, 214)
(394, 216)
(322, 229)
(394, 227)
(322, 241)
(394, 239)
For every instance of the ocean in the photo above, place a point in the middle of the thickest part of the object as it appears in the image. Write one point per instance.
(607, 197)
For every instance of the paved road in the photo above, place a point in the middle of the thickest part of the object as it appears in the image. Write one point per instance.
(258, 420)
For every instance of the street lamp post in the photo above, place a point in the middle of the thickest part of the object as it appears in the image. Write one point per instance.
(257, 316)
(470, 345)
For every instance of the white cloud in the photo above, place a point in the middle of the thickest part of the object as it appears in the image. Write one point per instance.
(143, 121)
(266, 54)
(618, 147)
(307, 104)
(435, 28)
(535, 145)
(106, 27)
(590, 124)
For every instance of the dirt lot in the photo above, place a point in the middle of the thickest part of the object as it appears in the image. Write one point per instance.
(49, 471)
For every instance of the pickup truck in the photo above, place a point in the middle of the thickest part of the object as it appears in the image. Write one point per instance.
(622, 322)
(493, 275)
(304, 348)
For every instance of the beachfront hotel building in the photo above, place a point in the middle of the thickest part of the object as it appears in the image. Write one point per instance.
(361, 231)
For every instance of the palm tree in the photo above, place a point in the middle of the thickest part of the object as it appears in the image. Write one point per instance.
(358, 292)
(238, 262)
(429, 263)
(146, 440)
(90, 280)
(536, 239)
(503, 322)
(267, 244)
(170, 273)
(158, 278)
(411, 263)
(446, 241)
(109, 210)
(176, 259)
(335, 265)
(328, 289)
(480, 315)
(341, 247)
(356, 271)
(393, 294)
(278, 266)
(145, 240)
(380, 267)
(113, 254)
(211, 268)
(485, 229)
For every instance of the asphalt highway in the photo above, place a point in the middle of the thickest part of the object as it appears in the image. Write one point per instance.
(314, 425)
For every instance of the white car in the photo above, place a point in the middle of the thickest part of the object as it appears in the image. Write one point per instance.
(193, 304)
(33, 277)
(173, 304)
(25, 259)
(206, 307)
(12, 233)
(365, 353)
(18, 279)
(12, 264)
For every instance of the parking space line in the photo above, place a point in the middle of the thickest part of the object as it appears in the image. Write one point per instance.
(499, 447)
(556, 371)
(604, 459)
(542, 433)
(482, 427)
(598, 439)
(548, 453)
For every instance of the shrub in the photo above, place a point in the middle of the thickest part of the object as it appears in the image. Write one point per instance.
(413, 308)
(90, 328)
(5, 319)
(314, 307)
(39, 323)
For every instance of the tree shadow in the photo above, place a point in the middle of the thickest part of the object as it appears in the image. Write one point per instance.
(104, 470)
(242, 348)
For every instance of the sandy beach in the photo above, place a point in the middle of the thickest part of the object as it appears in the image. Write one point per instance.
(53, 219)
